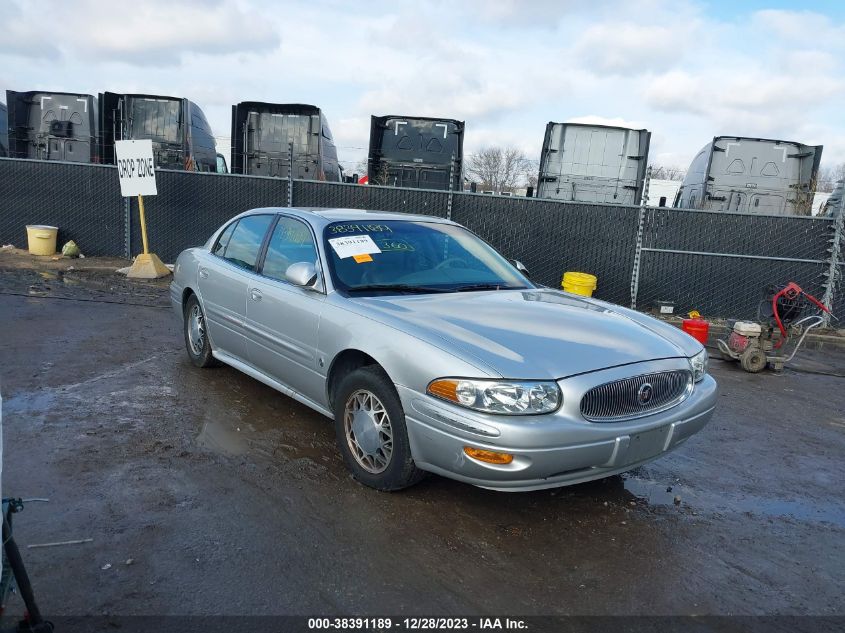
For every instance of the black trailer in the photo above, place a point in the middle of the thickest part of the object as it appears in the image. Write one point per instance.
(262, 134)
(52, 126)
(181, 136)
(418, 152)
(4, 131)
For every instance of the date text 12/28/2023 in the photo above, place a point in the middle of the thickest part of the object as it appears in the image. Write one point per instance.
(417, 624)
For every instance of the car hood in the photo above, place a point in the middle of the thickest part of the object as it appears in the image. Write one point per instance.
(538, 333)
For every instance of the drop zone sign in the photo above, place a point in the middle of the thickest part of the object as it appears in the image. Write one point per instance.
(135, 167)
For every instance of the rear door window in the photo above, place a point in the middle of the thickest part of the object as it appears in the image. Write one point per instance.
(245, 244)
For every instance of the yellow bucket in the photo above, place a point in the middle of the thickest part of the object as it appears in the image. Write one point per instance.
(579, 283)
(41, 239)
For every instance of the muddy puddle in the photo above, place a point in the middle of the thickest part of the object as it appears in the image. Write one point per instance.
(84, 284)
(256, 420)
(659, 494)
(224, 436)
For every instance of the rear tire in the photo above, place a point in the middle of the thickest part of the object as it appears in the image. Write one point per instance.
(196, 334)
(371, 431)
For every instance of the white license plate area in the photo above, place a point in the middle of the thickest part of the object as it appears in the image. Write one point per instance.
(646, 444)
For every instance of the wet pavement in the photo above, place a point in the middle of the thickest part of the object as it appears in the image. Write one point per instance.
(206, 492)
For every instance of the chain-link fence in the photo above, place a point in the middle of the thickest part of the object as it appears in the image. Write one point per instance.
(190, 206)
(82, 200)
(835, 277)
(718, 263)
(721, 263)
(311, 193)
(551, 237)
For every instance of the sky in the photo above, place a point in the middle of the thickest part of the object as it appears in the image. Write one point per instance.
(686, 70)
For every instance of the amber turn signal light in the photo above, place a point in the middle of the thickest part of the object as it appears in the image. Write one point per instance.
(491, 457)
(446, 389)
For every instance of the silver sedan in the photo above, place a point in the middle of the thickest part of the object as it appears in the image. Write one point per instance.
(433, 353)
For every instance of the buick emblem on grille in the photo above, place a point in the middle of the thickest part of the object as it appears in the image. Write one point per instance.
(644, 394)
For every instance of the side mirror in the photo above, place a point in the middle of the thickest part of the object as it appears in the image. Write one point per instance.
(302, 274)
(521, 267)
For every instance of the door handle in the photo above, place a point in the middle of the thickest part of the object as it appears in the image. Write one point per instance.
(203, 273)
(255, 294)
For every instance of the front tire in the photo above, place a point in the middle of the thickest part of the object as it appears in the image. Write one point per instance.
(371, 431)
(196, 334)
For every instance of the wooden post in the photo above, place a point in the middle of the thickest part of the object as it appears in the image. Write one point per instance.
(143, 224)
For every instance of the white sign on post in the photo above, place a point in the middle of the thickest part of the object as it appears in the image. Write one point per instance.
(135, 167)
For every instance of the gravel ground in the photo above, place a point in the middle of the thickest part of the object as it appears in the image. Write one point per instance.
(206, 492)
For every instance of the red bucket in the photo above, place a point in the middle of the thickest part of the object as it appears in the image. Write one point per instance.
(699, 329)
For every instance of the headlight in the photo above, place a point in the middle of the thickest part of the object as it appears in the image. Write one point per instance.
(699, 365)
(528, 397)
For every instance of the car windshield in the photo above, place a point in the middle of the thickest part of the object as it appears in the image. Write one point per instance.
(404, 256)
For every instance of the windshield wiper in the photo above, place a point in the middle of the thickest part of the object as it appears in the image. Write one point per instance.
(471, 287)
(403, 288)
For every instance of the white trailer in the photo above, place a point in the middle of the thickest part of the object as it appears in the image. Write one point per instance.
(593, 163)
(751, 175)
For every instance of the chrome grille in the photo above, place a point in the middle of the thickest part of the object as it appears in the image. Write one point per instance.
(623, 399)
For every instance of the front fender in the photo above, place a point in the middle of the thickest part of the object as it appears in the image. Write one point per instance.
(409, 360)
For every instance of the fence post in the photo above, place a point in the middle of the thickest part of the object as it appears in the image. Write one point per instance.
(127, 224)
(833, 271)
(290, 174)
(451, 186)
(638, 250)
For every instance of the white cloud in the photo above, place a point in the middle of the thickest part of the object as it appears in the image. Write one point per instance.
(540, 14)
(505, 67)
(153, 32)
(626, 47)
(677, 91)
(798, 26)
(751, 101)
(18, 37)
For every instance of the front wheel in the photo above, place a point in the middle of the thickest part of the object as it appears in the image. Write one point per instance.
(371, 431)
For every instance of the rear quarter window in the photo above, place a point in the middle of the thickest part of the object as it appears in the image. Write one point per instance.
(223, 240)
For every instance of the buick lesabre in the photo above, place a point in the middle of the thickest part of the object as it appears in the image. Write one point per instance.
(433, 353)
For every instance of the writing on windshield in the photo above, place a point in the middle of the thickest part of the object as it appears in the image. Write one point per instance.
(415, 255)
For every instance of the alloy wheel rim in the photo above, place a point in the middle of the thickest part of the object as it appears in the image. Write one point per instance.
(369, 433)
(196, 330)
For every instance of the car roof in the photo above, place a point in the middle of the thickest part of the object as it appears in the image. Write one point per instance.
(322, 216)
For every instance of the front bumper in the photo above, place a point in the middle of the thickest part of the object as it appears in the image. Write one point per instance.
(551, 450)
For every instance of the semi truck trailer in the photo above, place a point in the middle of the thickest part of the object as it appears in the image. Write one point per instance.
(182, 138)
(52, 126)
(751, 175)
(262, 134)
(593, 163)
(417, 152)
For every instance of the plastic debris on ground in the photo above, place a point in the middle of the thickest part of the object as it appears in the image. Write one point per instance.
(70, 249)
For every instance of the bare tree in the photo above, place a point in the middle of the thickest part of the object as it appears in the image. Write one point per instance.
(361, 167)
(497, 168)
(828, 177)
(667, 172)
